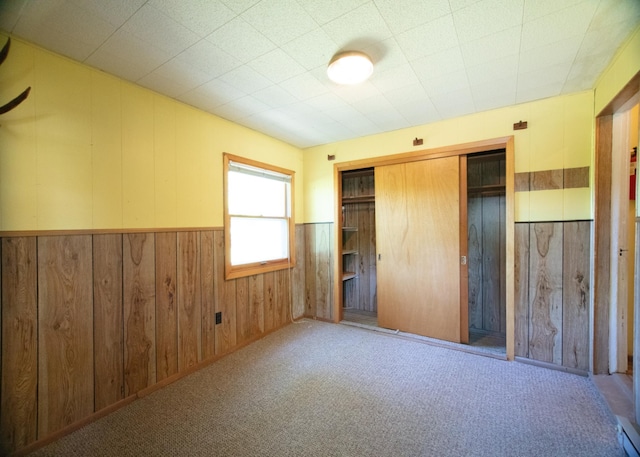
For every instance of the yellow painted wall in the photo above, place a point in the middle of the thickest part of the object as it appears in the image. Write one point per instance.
(623, 67)
(559, 135)
(89, 151)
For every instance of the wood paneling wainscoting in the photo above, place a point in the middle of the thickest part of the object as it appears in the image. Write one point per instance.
(553, 292)
(318, 285)
(90, 321)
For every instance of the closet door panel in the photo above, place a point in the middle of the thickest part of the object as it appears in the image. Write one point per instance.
(418, 242)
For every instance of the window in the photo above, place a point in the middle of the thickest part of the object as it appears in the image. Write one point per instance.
(259, 224)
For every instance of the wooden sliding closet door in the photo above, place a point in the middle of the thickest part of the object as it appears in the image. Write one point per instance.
(418, 244)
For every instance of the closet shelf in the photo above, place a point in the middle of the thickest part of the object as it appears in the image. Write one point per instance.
(348, 275)
(359, 199)
(497, 189)
(349, 229)
(353, 251)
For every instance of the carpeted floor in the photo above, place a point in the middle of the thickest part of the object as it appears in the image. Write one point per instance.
(331, 390)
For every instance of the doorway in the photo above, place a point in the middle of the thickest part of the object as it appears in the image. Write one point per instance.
(611, 325)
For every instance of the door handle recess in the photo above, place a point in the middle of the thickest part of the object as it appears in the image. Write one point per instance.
(463, 260)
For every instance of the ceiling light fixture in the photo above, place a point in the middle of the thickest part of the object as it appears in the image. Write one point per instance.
(351, 67)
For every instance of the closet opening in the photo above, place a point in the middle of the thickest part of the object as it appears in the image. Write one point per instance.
(486, 247)
(359, 300)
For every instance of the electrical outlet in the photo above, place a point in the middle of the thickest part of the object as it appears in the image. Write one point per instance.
(219, 317)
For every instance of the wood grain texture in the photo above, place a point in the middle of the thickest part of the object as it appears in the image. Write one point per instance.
(269, 293)
(521, 182)
(225, 298)
(18, 411)
(299, 278)
(139, 311)
(576, 177)
(602, 243)
(366, 254)
(242, 309)
(311, 277)
(65, 331)
(547, 179)
(207, 275)
(166, 305)
(189, 300)
(283, 298)
(108, 336)
(475, 244)
(545, 293)
(256, 305)
(323, 250)
(419, 293)
(491, 229)
(576, 295)
(521, 274)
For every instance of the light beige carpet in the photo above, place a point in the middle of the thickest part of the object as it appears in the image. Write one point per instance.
(317, 389)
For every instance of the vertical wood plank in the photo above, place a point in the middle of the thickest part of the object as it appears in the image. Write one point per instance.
(65, 331)
(282, 298)
(311, 276)
(225, 299)
(576, 295)
(602, 244)
(545, 293)
(372, 295)
(364, 255)
(269, 285)
(491, 260)
(189, 300)
(107, 310)
(208, 301)
(522, 264)
(298, 276)
(323, 238)
(256, 305)
(139, 311)
(242, 310)
(474, 248)
(18, 411)
(166, 306)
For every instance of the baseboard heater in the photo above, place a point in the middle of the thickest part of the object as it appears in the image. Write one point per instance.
(628, 437)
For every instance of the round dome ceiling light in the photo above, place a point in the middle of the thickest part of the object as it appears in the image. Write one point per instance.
(351, 67)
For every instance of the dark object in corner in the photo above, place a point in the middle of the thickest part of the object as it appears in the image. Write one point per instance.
(25, 93)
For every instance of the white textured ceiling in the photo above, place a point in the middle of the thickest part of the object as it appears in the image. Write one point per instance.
(262, 63)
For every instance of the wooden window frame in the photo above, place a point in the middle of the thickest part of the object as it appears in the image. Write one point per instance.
(249, 269)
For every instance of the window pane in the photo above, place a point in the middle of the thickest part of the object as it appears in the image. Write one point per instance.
(258, 240)
(256, 196)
